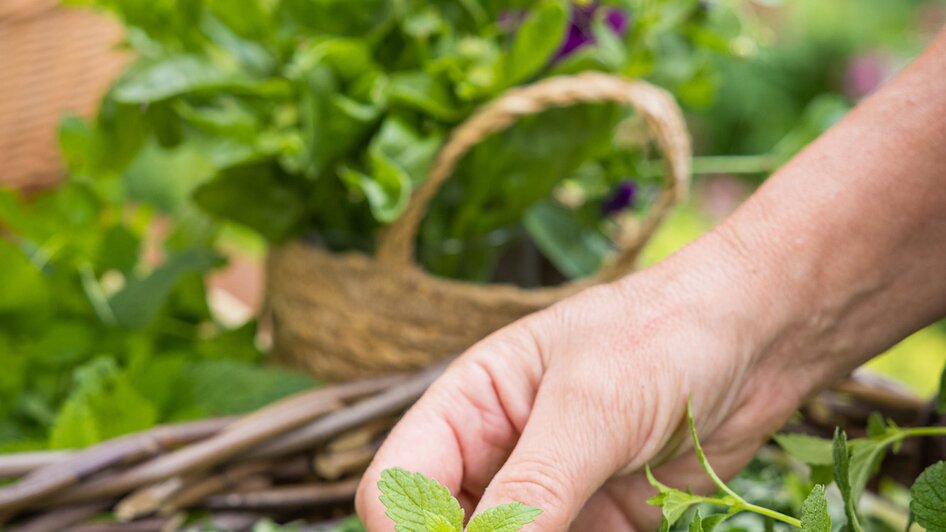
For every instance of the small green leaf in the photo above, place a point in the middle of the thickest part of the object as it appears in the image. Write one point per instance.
(104, 404)
(842, 475)
(928, 494)
(575, 250)
(258, 196)
(537, 40)
(504, 518)
(809, 449)
(137, 304)
(814, 512)
(410, 496)
(150, 81)
(422, 91)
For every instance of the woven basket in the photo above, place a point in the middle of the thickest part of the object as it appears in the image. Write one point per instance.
(53, 60)
(347, 315)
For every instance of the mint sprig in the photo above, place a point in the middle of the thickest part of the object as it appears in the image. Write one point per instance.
(419, 504)
(674, 503)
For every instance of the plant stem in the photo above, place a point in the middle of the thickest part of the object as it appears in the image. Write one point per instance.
(719, 164)
(741, 505)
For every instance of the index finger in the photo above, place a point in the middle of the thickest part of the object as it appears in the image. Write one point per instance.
(460, 432)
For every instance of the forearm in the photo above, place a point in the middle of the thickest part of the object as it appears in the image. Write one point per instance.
(845, 247)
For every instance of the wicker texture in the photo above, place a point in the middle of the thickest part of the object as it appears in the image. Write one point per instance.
(53, 60)
(348, 315)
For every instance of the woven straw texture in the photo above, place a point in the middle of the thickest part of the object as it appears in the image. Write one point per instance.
(53, 60)
(347, 315)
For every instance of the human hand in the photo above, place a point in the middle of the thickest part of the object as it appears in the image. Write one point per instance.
(562, 409)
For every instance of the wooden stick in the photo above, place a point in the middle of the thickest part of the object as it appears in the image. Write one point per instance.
(46, 480)
(334, 465)
(152, 524)
(19, 464)
(285, 497)
(390, 401)
(244, 434)
(146, 499)
(192, 494)
(233, 520)
(60, 518)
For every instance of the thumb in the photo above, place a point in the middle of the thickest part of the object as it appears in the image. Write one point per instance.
(559, 461)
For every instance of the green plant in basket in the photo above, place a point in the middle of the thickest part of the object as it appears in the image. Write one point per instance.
(302, 117)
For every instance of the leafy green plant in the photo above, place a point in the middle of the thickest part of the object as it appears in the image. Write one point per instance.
(850, 465)
(321, 118)
(418, 504)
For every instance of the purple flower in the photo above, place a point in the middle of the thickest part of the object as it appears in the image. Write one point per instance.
(580, 31)
(621, 198)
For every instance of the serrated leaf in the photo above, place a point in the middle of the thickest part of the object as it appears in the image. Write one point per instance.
(928, 494)
(504, 518)
(842, 475)
(814, 512)
(673, 504)
(438, 523)
(809, 449)
(409, 496)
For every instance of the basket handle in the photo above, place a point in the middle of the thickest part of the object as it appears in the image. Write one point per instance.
(396, 245)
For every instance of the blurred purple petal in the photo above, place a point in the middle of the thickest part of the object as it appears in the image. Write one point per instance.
(617, 20)
(621, 198)
(580, 33)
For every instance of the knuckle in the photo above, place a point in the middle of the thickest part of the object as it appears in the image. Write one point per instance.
(542, 483)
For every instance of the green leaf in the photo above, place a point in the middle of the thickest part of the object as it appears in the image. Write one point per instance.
(536, 41)
(355, 18)
(809, 449)
(24, 288)
(387, 190)
(103, 405)
(410, 150)
(673, 503)
(165, 178)
(866, 455)
(409, 496)
(438, 523)
(575, 250)
(814, 512)
(212, 384)
(928, 498)
(258, 196)
(504, 518)
(424, 92)
(155, 80)
(843, 475)
(333, 123)
(137, 304)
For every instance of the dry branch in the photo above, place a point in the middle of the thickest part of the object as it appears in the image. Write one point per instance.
(70, 471)
(19, 464)
(60, 518)
(286, 497)
(244, 434)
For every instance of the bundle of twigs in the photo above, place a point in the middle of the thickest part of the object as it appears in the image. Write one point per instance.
(298, 458)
